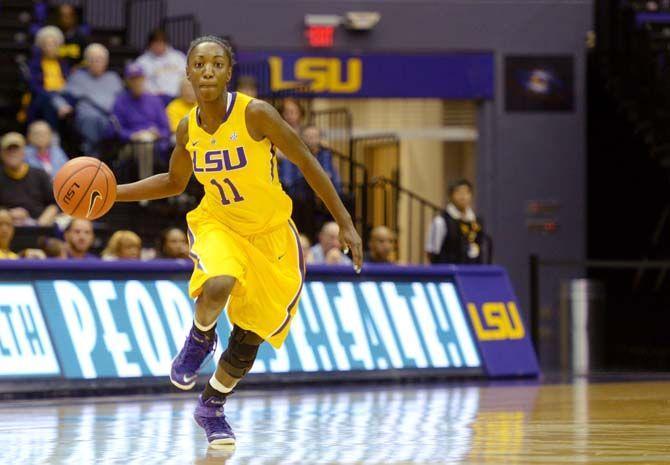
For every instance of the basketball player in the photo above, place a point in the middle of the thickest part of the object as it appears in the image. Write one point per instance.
(244, 246)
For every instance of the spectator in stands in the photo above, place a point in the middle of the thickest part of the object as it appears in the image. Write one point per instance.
(42, 152)
(6, 235)
(142, 120)
(24, 190)
(172, 243)
(47, 78)
(308, 211)
(292, 112)
(53, 248)
(247, 85)
(456, 235)
(123, 245)
(79, 237)
(381, 245)
(179, 107)
(327, 251)
(75, 35)
(306, 246)
(94, 89)
(163, 66)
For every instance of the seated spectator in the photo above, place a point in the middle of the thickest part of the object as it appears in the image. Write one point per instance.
(456, 235)
(327, 251)
(94, 89)
(163, 66)
(47, 78)
(172, 243)
(142, 120)
(248, 86)
(306, 245)
(179, 107)
(42, 152)
(75, 35)
(79, 237)
(6, 235)
(381, 245)
(292, 112)
(309, 211)
(123, 245)
(24, 190)
(53, 248)
(33, 254)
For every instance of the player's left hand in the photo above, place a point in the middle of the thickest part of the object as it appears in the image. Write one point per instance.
(350, 240)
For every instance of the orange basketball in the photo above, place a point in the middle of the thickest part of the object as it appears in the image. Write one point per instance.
(85, 188)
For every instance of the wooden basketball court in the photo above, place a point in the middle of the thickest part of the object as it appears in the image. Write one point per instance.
(609, 423)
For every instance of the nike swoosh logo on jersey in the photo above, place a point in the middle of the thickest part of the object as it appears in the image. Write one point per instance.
(194, 143)
(95, 195)
(281, 256)
(188, 379)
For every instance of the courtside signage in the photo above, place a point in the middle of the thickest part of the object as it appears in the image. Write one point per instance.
(133, 328)
(25, 345)
(497, 323)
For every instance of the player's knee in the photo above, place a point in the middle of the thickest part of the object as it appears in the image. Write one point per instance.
(216, 290)
(239, 356)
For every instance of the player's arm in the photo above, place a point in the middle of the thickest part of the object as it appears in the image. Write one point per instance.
(264, 121)
(164, 184)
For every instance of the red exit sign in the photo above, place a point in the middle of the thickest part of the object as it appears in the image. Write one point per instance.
(320, 36)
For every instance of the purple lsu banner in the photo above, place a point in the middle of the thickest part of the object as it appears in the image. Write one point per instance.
(496, 321)
(458, 75)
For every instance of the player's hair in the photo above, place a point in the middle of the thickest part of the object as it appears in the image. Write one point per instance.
(460, 183)
(228, 50)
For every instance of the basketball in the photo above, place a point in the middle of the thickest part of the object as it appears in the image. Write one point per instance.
(85, 188)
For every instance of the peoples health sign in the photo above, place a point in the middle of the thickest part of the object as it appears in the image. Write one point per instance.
(124, 328)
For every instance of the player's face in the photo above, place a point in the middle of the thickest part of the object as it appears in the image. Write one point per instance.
(209, 71)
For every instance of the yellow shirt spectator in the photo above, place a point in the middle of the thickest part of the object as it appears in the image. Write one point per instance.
(53, 75)
(8, 255)
(176, 110)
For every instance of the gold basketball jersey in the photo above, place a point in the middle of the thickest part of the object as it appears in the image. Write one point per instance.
(240, 176)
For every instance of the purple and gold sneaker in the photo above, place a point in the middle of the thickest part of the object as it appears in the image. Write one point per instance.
(188, 361)
(209, 416)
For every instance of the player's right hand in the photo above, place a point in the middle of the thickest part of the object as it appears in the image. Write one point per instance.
(350, 239)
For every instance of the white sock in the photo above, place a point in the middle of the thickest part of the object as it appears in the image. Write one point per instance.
(202, 327)
(216, 384)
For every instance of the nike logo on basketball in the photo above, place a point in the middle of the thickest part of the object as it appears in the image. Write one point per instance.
(95, 195)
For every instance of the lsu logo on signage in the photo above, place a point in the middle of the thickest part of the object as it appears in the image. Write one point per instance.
(497, 322)
(323, 74)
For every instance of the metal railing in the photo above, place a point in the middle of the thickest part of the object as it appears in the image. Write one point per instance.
(383, 201)
(335, 125)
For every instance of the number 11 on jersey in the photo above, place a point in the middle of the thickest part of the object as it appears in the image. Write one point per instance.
(236, 194)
